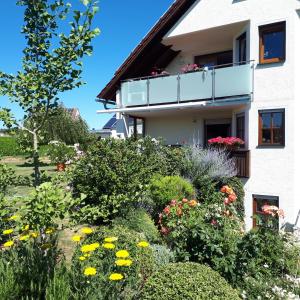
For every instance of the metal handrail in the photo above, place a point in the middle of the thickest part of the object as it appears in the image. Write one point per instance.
(200, 70)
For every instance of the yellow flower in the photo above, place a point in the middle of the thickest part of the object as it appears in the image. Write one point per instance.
(90, 247)
(143, 244)
(8, 231)
(87, 255)
(122, 254)
(110, 239)
(86, 230)
(46, 246)
(25, 228)
(24, 237)
(34, 234)
(14, 217)
(109, 246)
(82, 258)
(49, 230)
(76, 238)
(90, 271)
(8, 244)
(123, 262)
(116, 276)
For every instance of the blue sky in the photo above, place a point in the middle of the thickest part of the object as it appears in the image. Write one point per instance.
(123, 23)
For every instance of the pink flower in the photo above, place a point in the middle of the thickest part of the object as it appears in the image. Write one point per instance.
(167, 210)
(213, 222)
(185, 200)
(165, 230)
(232, 197)
(173, 203)
(280, 213)
(226, 201)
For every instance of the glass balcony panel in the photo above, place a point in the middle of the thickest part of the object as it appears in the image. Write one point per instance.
(163, 90)
(233, 81)
(134, 93)
(196, 86)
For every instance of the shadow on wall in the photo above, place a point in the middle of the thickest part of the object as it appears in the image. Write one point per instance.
(237, 1)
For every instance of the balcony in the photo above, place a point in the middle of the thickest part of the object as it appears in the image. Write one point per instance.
(226, 82)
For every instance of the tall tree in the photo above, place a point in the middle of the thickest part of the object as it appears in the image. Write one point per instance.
(52, 62)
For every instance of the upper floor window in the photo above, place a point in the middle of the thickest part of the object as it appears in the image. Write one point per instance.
(271, 127)
(272, 43)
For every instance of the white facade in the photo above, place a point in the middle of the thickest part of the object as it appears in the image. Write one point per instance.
(212, 26)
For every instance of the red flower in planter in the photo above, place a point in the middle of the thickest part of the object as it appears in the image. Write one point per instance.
(227, 141)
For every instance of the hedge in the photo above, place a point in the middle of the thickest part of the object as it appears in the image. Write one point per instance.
(9, 147)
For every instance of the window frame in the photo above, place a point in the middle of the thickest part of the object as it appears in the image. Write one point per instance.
(237, 116)
(260, 128)
(269, 28)
(270, 200)
(135, 133)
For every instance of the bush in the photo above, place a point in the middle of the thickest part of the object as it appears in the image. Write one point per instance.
(9, 147)
(114, 173)
(189, 281)
(7, 178)
(163, 189)
(204, 233)
(162, 255)
(141, 265)
(140, 221)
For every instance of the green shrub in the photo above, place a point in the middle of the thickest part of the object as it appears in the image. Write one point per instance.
(9, 287)
(104, 261)
(7, 178)
(114, 173)
(190, 281)
(162, 255)
(164, 189)
(9, 147)
(140, 221)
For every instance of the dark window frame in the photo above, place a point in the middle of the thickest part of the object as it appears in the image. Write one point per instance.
(242, 38)
(260, 128)
(243, 130)
(269, 200)
(274, 27)
(135, 133)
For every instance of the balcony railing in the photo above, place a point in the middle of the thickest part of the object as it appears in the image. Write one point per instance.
(242, 162)
(213, 83)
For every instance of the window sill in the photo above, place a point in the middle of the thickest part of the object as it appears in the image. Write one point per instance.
(268, 63)
(270, 146)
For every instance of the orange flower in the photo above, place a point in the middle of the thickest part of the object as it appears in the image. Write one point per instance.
(232, 197)
(224, 189)
(193, 203)
(179, 212)
(184, 200)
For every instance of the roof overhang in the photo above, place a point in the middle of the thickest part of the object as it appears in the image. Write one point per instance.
(150, 52)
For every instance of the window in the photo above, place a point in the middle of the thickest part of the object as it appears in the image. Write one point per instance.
(137, 127)
(215, 59)
(258, 202)
(240, 126)
(272, 43)
(271, 127)
(242, 45)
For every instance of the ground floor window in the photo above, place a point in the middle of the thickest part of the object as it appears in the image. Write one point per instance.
(137, 127)
(259, 215)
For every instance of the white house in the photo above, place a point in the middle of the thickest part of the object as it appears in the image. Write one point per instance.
(248, 86)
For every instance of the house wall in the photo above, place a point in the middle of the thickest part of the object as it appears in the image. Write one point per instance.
(273, 170)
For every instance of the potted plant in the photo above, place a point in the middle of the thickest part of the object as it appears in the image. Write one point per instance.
(60, 154)
(190, 68)
(230, 143)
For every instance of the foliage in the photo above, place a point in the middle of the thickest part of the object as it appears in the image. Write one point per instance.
(114, 173)
(204, 233)
(7, 178)
(139, 220)
(59, 152)
(59, 126)
(187, 281)
(162, 255)
(45, 205)
(104, 259)
(163, 189)
(9, 146)
(52, 63)
(211, 163)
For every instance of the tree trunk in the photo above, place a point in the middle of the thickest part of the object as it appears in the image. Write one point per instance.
(36, 160)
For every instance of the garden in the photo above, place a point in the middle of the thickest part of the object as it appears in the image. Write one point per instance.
(142, 221)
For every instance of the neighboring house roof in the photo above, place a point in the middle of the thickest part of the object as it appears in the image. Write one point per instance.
(150, 52)
(111, 124)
